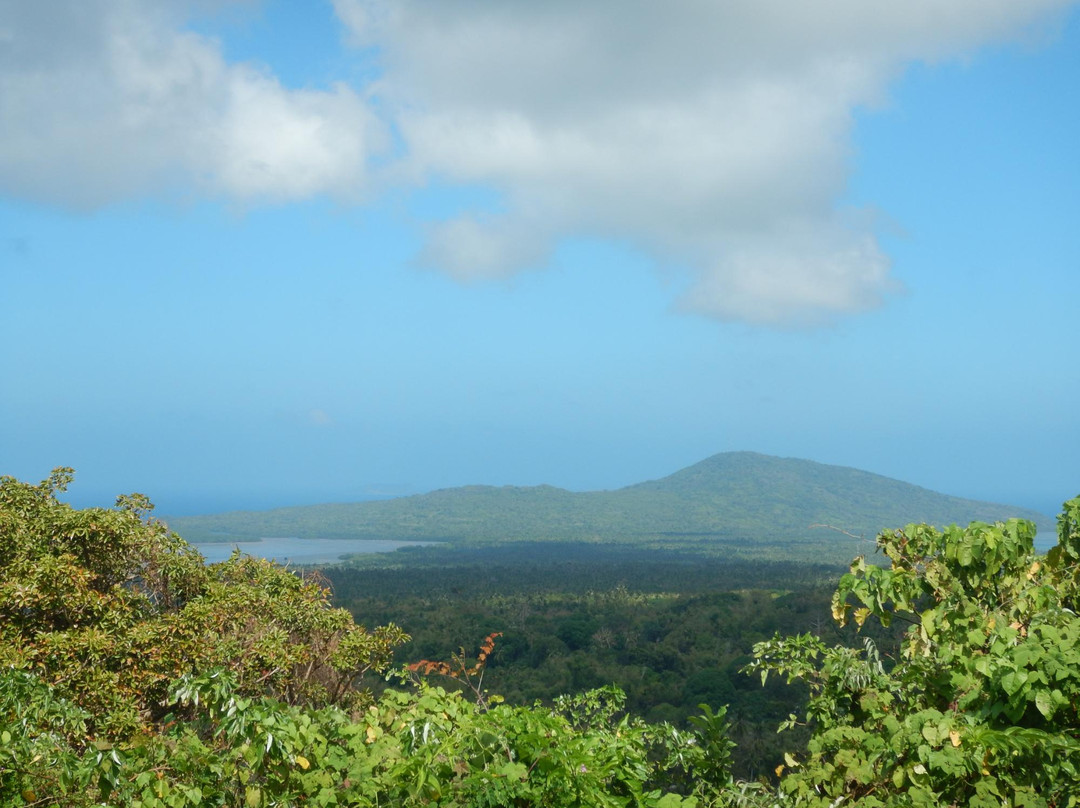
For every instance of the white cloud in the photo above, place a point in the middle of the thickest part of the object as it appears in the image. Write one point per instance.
(474, 248)
(796, 274)
(279, 144)
(714, 135)
(101, 100)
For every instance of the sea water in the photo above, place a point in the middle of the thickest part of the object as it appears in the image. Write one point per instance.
(291, 550)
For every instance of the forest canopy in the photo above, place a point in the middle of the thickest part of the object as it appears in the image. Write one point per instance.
(131, 673)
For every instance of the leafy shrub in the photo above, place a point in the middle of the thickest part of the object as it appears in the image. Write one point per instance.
(108, 607)
(980, 707)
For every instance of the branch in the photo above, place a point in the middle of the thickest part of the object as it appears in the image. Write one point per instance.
(841, 530)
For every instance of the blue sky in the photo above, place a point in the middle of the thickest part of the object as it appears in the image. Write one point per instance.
(268, 253)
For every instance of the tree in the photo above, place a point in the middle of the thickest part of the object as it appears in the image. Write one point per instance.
(108, 607)
(980, 706)
(133, 674)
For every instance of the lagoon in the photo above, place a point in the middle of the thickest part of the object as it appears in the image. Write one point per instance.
(291, 550)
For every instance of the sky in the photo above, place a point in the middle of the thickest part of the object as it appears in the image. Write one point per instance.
(257, 254)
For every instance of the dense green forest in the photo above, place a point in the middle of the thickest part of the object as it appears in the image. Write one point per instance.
(667, 652)
(947, 672)
(732, 505)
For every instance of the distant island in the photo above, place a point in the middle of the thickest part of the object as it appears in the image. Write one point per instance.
(734, 504)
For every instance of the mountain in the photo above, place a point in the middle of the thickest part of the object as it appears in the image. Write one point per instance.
(736, 503)
(789, 495)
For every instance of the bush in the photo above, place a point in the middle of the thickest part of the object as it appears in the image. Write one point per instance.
(108, 607)
(980, 707)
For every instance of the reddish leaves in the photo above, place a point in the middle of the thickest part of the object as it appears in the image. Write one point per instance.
(458, 670)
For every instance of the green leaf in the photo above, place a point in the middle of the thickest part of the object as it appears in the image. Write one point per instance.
(1045, 703)
(927, 620)
(514, 771)
(675, 801)
(1013, 681)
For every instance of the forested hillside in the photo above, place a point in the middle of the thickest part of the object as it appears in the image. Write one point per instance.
(737, 504)
(133, 674)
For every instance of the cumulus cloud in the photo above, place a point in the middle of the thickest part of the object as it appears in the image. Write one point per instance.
(715, 136)
(796, 273)
(102, 100)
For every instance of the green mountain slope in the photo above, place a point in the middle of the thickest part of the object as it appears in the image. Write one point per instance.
(737, 503)
(744, 490)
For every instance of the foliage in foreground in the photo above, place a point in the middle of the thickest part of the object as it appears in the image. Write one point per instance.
(132, 675)
(425, 747)
(980, 708)
(108, 607)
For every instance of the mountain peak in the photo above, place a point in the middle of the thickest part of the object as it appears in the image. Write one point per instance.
(737, 503)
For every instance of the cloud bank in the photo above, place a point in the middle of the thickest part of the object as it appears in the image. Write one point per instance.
(105, 100)
(714, 136)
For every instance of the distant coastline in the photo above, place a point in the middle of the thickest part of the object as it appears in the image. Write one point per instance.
(293, 550)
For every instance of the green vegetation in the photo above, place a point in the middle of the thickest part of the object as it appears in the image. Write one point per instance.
(130, 674)
(980, 708)
(668, 653)
(734, 505)
(528, 568)
(671, 630)
(108, 608)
